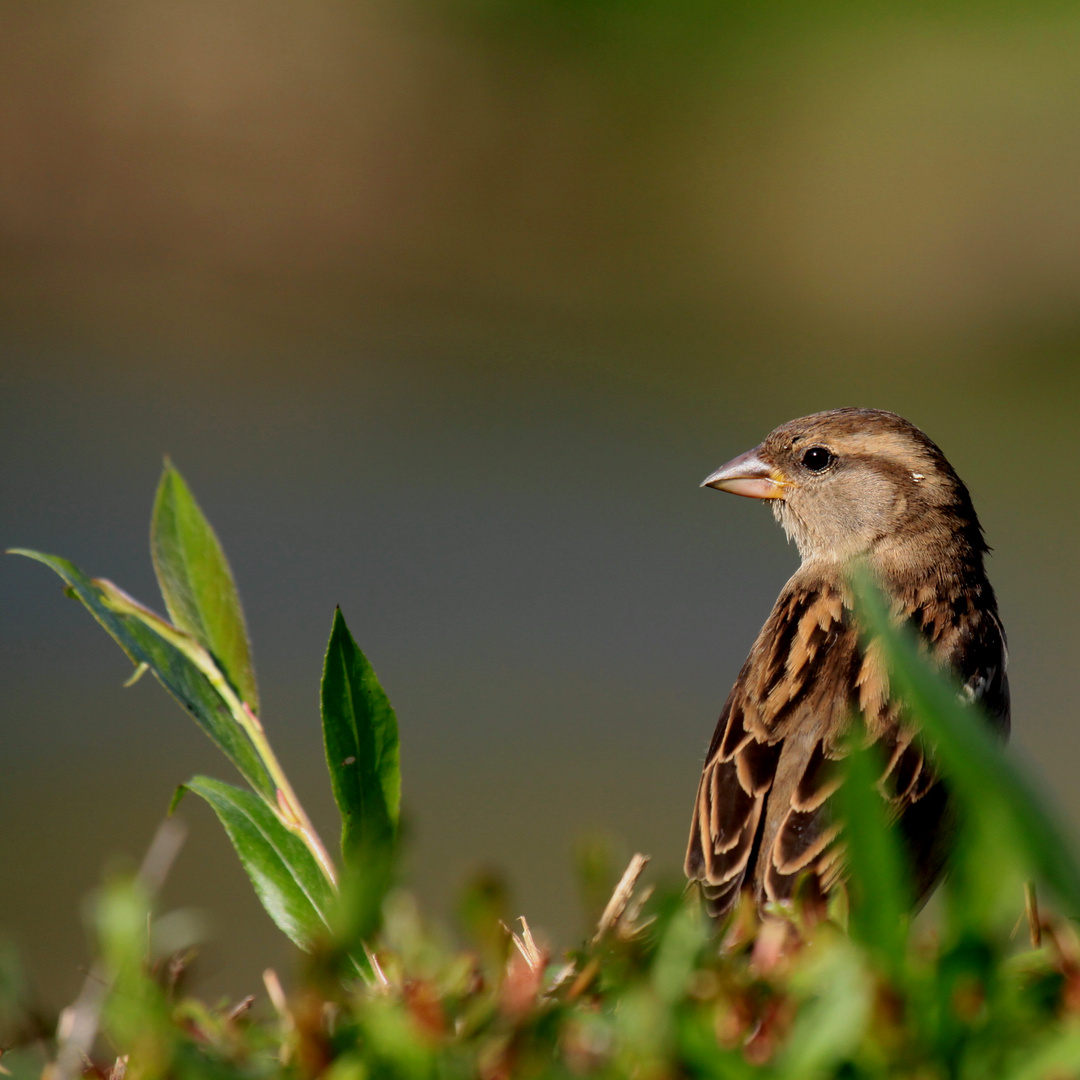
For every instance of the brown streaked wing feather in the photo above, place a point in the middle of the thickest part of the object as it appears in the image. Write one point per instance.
(798, 828)
(763, 813)
(967, 635)
(728, 804)
(730, 800)
(720, 899)
(819, 780)
(770, 693)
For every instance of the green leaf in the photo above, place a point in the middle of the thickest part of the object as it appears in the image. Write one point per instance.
(881, 893)
(361, 738)
(684, 937)
(147, 639)
(1054, 1055)
(833, 1019)
(197, 584)
(135, 1006)
(990, 786)
(288, 880)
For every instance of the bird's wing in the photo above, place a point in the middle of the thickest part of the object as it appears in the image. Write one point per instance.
(728, 810)
(969, 637)
(782, 711)
(762, 812)
(963, 632)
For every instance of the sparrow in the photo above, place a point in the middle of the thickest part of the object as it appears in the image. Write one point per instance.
(848, 486)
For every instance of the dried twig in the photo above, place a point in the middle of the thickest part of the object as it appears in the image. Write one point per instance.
(79, 1022)
(240, 1008)
(621, 896)
(525, 944)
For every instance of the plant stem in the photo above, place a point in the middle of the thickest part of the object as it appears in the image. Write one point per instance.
(290, 804)
(288, 807)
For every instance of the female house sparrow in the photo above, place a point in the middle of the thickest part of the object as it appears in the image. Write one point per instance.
(847, 484)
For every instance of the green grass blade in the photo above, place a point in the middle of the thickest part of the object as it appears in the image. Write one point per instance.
(361, 738)
(991, 786)
(172, 668)
(197, 583)
(287, 878)
(880, 890)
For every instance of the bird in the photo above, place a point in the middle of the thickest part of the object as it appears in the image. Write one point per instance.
(850, 486)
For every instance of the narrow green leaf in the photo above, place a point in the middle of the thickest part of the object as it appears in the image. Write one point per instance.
(361, 738)
(197, 584)
(991, 786)
(172, 668)
(880, 891)
(287, 879)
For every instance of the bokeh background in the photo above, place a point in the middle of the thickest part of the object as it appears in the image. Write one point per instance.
(445, 309)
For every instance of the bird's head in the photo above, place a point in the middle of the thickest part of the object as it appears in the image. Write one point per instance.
(853, 482)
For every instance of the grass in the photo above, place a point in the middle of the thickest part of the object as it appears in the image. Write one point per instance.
(989, 987)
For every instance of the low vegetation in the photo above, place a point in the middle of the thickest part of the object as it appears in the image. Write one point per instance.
(989, 987)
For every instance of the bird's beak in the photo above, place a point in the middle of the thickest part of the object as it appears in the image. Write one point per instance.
(748, 475)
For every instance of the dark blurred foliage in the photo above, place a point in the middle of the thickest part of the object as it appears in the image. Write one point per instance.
(445, 309)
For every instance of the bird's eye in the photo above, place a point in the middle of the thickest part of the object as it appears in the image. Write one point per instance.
(817, 458)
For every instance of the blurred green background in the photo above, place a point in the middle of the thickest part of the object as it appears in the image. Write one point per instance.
(444, 310)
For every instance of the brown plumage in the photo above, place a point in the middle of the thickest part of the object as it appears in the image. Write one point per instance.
(850, 484)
